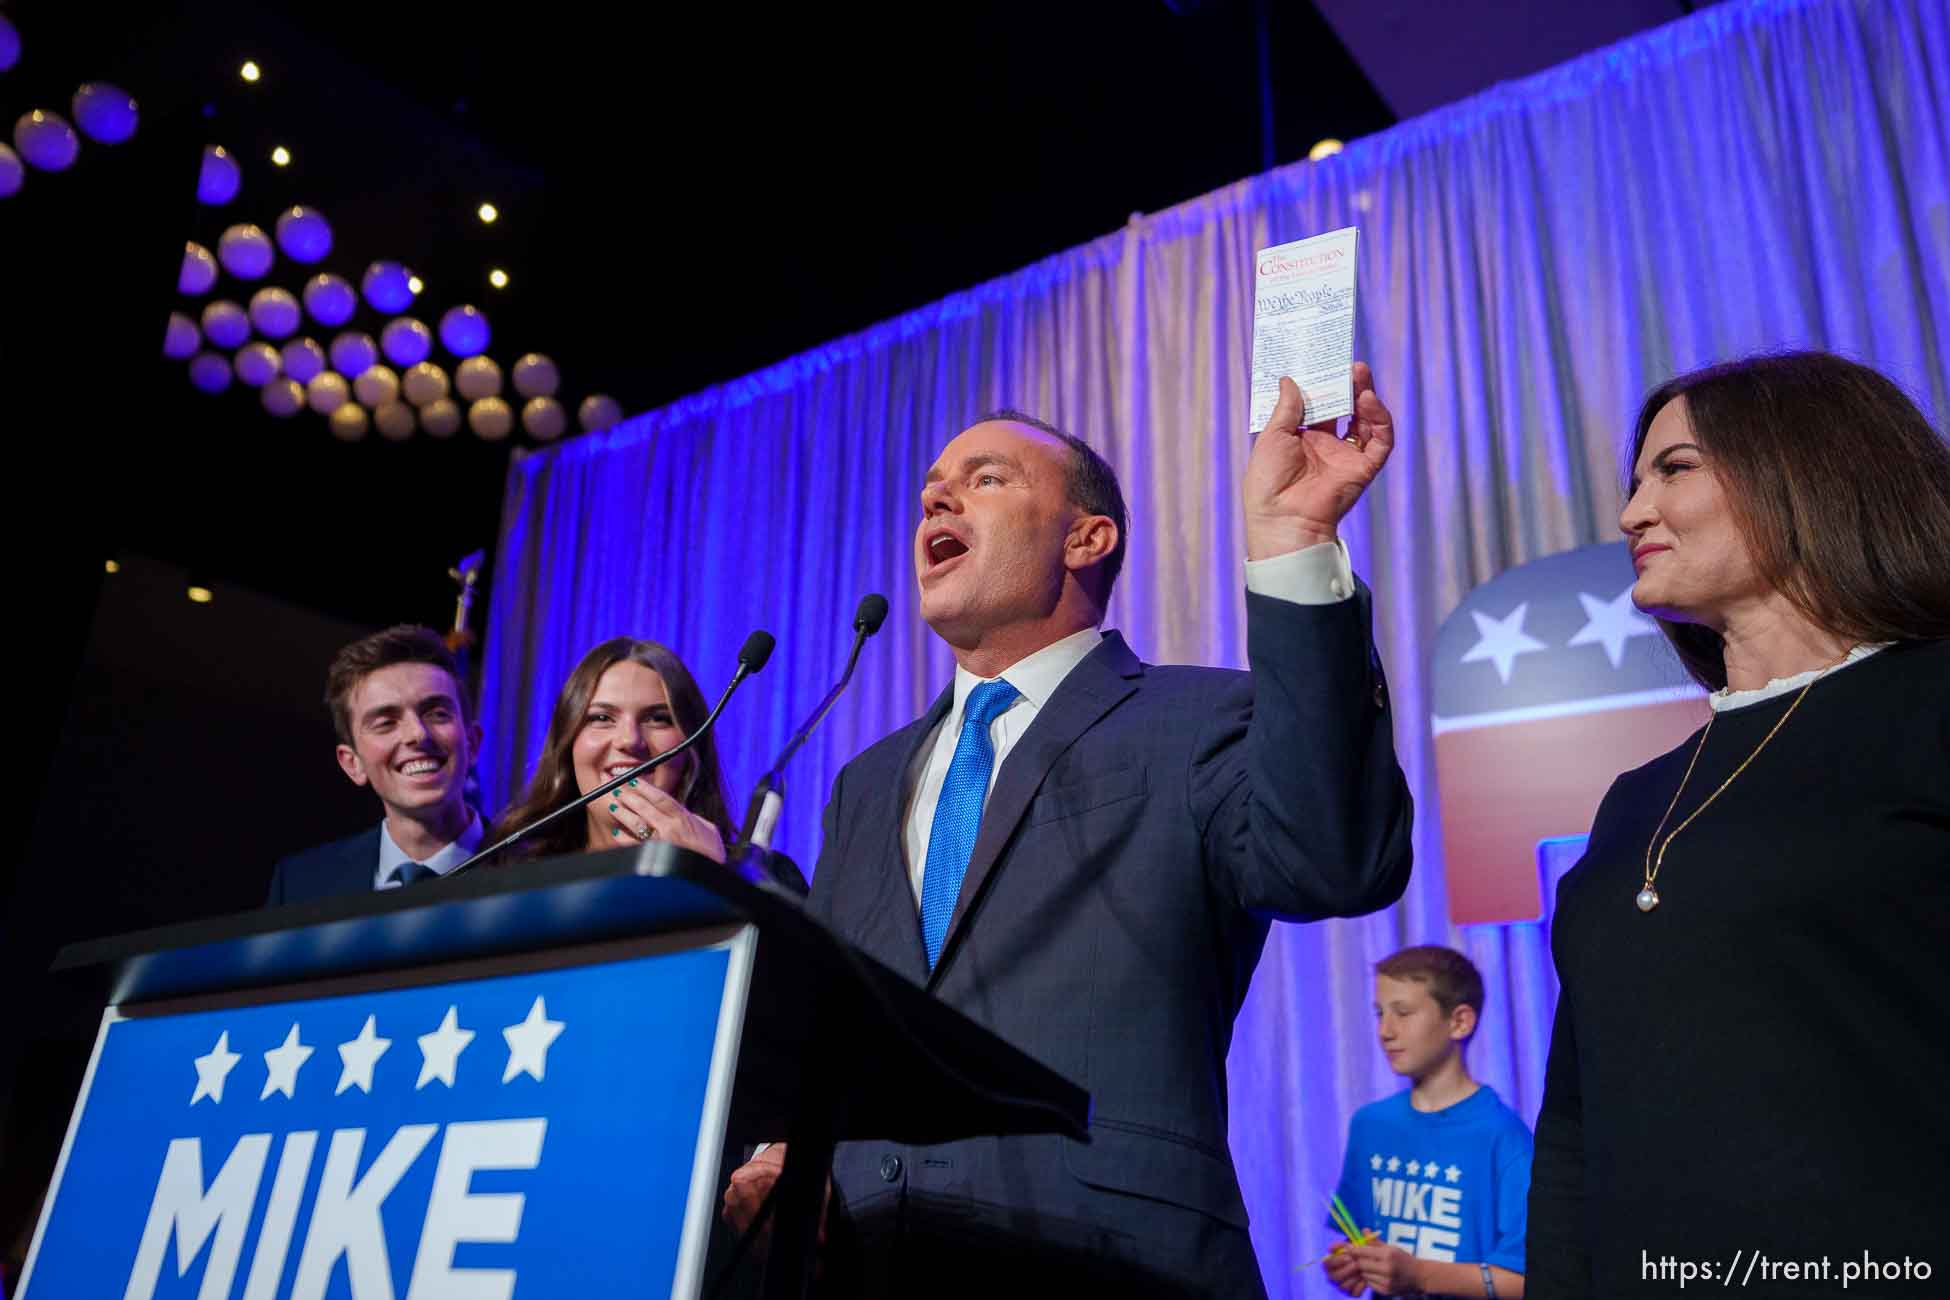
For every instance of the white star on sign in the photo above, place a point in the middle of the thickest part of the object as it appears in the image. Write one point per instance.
(1414, 1167)
(1374, 1162)
(1503, 639)
(1611, 623)
(528, 1043)
(281, 1064)
(1393, 1164)
(440, 1050)
(359, 1056)
(1453, 1172)
(211, 1070)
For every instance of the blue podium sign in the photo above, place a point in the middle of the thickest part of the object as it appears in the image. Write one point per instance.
(534, 1132)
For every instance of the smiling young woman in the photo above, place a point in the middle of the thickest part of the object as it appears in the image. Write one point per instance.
(627, 700)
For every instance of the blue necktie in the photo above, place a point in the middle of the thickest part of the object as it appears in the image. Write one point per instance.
(959, 814)
(411, 873)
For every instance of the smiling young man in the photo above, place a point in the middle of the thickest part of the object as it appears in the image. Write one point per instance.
(404, 731)
(1084, 852)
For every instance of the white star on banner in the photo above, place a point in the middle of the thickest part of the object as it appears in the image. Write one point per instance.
(1414, 1168)
(1393, 1164)
(212, 1069)
(1611, 623)
(1453, 1173)
(440, 1050)
(359, 1056)
(1374, 1162)
(1502, 640)
(528, 1043)
(281, 1064)
(1428, 1169)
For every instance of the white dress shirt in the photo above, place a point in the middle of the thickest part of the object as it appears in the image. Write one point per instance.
(1313, 575)
(392, 857)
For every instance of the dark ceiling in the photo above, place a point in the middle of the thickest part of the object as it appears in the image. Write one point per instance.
(687, 194)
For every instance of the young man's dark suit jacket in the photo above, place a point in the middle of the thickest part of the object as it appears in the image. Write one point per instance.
(344, 866)
(1136, 843)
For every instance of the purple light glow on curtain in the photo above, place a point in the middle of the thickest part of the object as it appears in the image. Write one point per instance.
(1757, 176)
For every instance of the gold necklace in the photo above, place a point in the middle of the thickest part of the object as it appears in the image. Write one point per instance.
(1648, 897)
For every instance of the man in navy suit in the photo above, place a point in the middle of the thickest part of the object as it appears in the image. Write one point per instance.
(1084, 852)
(404, 730)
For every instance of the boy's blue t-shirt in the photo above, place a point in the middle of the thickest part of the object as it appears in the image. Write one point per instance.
(1451, 1184)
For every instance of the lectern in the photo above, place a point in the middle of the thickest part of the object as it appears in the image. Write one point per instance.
(515, 1082)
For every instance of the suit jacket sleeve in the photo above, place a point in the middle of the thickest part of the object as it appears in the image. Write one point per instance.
(1304, 810)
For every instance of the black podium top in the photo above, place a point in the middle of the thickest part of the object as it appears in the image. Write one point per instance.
(829, 1031)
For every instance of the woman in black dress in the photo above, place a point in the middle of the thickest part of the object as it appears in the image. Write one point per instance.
(1753, 1037)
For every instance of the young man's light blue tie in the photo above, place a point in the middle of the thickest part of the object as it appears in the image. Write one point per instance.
(959, 814)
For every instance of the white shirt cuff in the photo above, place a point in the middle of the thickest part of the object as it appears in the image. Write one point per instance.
(1312, 575)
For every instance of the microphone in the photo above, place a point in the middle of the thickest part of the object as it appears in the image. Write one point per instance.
(751, 658)
(762, 814)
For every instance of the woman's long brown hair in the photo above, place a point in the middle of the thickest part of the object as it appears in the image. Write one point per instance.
(1840, 488)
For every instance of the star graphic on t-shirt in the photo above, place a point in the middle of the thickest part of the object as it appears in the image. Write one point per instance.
(1453, 1172)
(1393, 1164)
(1414, 1168)
(1374, 1162)
(1429, 1169)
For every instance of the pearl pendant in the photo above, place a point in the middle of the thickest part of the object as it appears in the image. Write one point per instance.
(1648, 898)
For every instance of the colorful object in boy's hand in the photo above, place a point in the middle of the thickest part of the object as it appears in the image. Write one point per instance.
(1368, 1237)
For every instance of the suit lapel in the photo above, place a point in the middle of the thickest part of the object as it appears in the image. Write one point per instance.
(895, 936)
(1093, 688)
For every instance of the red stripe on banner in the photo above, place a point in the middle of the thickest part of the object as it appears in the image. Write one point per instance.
(1504, 788)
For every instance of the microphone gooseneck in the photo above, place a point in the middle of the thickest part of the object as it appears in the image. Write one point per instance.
(762, 813)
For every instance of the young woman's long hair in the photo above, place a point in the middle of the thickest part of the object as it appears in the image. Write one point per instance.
(1839, 486)
(554, 781)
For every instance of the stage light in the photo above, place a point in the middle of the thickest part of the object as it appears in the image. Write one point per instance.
(330, 299)
(256, 364)
(1325, 149)
(245, 251)
(415, 285)
(302, 359)
(388, 287)
(106, 114)
(282, 397)
(406, 342)
(464, 330)
(182, 338)
(111, 567)
(13, 173)
(210, 372)
(491, 418)
(275, 313)
(304, 234)
(598, 411)
(199, 270)
(498, 278)
(281, 156)
(225, 324)
(441, 418)
(536, 376)
(250, 71)
(487, 212)
(544, 418)
(199, 595)
(217, 183)
(46, 140)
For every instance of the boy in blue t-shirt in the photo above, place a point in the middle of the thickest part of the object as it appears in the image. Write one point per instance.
(1440, 1172)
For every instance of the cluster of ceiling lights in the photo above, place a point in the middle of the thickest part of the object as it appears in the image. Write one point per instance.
(392, 383)
(45, 140)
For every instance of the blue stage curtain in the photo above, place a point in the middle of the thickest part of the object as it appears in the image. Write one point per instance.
(1532, 260)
